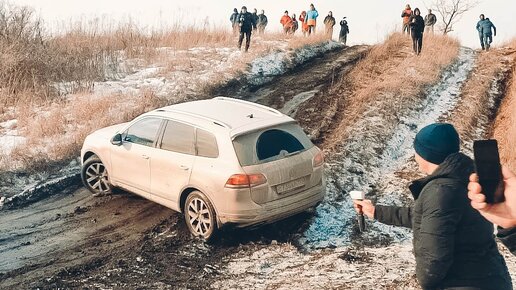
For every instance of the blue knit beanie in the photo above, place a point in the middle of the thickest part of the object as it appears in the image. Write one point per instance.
(437, 141)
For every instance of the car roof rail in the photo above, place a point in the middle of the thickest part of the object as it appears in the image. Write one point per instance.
(214, 121)
(250, 104)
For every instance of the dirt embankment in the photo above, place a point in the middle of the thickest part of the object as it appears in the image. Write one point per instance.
(504, 129)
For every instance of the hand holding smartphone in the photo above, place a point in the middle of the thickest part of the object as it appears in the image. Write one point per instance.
(489, 169)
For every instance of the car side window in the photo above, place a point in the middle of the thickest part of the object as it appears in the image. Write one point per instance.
(143, 132)
(206, 144)
(178, 137)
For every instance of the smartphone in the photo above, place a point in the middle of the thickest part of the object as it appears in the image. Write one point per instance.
(489, 169)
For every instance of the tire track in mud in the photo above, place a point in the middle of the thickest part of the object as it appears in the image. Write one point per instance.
(367, 161)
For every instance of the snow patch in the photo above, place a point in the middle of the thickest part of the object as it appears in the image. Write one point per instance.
(371, 155)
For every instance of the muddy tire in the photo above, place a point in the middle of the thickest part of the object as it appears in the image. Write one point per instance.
(95, 177)
(200, 216)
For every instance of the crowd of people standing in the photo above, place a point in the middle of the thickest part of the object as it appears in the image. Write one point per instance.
(414, 25)
(245, 23)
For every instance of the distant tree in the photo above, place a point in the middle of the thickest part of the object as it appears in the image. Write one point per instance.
(451, 11)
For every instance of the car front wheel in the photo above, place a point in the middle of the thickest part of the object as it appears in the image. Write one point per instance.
(94, 175)
(200, 216)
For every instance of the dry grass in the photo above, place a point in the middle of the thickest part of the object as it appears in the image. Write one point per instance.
(57, 133)
(473, 109)
(391, 76)
(505, 123)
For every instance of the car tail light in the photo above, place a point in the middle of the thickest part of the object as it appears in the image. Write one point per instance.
(318, 159)
(245, 180)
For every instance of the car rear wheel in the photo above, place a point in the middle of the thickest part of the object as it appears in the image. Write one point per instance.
(200, 216)
(94, 175)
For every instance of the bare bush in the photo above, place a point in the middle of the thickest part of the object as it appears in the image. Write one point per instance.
(451, 11)
(33, 62)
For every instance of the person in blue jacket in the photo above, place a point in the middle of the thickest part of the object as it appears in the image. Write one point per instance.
(485, 30)
(311, 19)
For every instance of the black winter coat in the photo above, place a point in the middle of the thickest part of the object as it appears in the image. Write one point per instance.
(453, 244)
(246, 22)
(508, 238)
(418, 26)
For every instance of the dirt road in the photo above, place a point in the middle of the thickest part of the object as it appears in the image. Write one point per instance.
(123, 241)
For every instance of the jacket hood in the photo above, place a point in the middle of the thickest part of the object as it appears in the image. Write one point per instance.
(456, 166)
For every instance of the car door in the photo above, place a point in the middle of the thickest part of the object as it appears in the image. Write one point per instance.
(173, 161)
(131, 160)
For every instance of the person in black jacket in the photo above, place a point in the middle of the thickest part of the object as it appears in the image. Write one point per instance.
(454, 245)
(502, 214)
(246, 23)
(417, 27)
(255, 19)
(234, 21)
(344, 31)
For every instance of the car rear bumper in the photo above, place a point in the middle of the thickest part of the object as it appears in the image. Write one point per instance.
(276, 210)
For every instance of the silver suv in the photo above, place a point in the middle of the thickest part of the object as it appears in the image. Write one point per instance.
(217, 161)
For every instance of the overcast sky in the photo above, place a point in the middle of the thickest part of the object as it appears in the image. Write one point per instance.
(369, 20)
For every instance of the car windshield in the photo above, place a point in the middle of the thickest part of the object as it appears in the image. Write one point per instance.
(271, 144)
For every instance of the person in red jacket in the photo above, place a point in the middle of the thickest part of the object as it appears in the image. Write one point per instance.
(406, 14)
(286, 21)
(304, 25)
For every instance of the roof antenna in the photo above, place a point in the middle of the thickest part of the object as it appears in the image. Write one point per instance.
(250, 116)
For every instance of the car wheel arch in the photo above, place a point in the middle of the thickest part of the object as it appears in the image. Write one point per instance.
(184, 195)
(88, 155)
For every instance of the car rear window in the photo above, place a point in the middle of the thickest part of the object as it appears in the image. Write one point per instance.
(270, 144)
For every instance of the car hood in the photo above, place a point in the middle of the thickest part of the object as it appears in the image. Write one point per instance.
(110, 131)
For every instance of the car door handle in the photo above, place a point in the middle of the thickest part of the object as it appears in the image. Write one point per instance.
(184, 167)
(145, 156)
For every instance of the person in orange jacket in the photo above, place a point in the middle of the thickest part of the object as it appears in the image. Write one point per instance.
(286, 21)
(406, 14)
(304, 25)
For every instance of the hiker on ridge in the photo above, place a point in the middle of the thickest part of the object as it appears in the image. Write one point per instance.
(255, 19)
(417, 27)
(295, 24)
(262, 22)
(485, 30)
(329, 22)
(406, 14)
(430, 20)
(311, 19)
(286, 21)
(304, 25)
(246, 23)
(234, 21)
(344, 30)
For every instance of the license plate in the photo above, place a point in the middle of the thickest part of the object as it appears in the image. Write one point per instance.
(291, 185)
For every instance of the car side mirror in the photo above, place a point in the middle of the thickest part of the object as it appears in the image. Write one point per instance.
(117, 139)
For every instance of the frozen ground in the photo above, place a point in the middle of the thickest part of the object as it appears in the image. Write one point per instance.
(9, 137)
